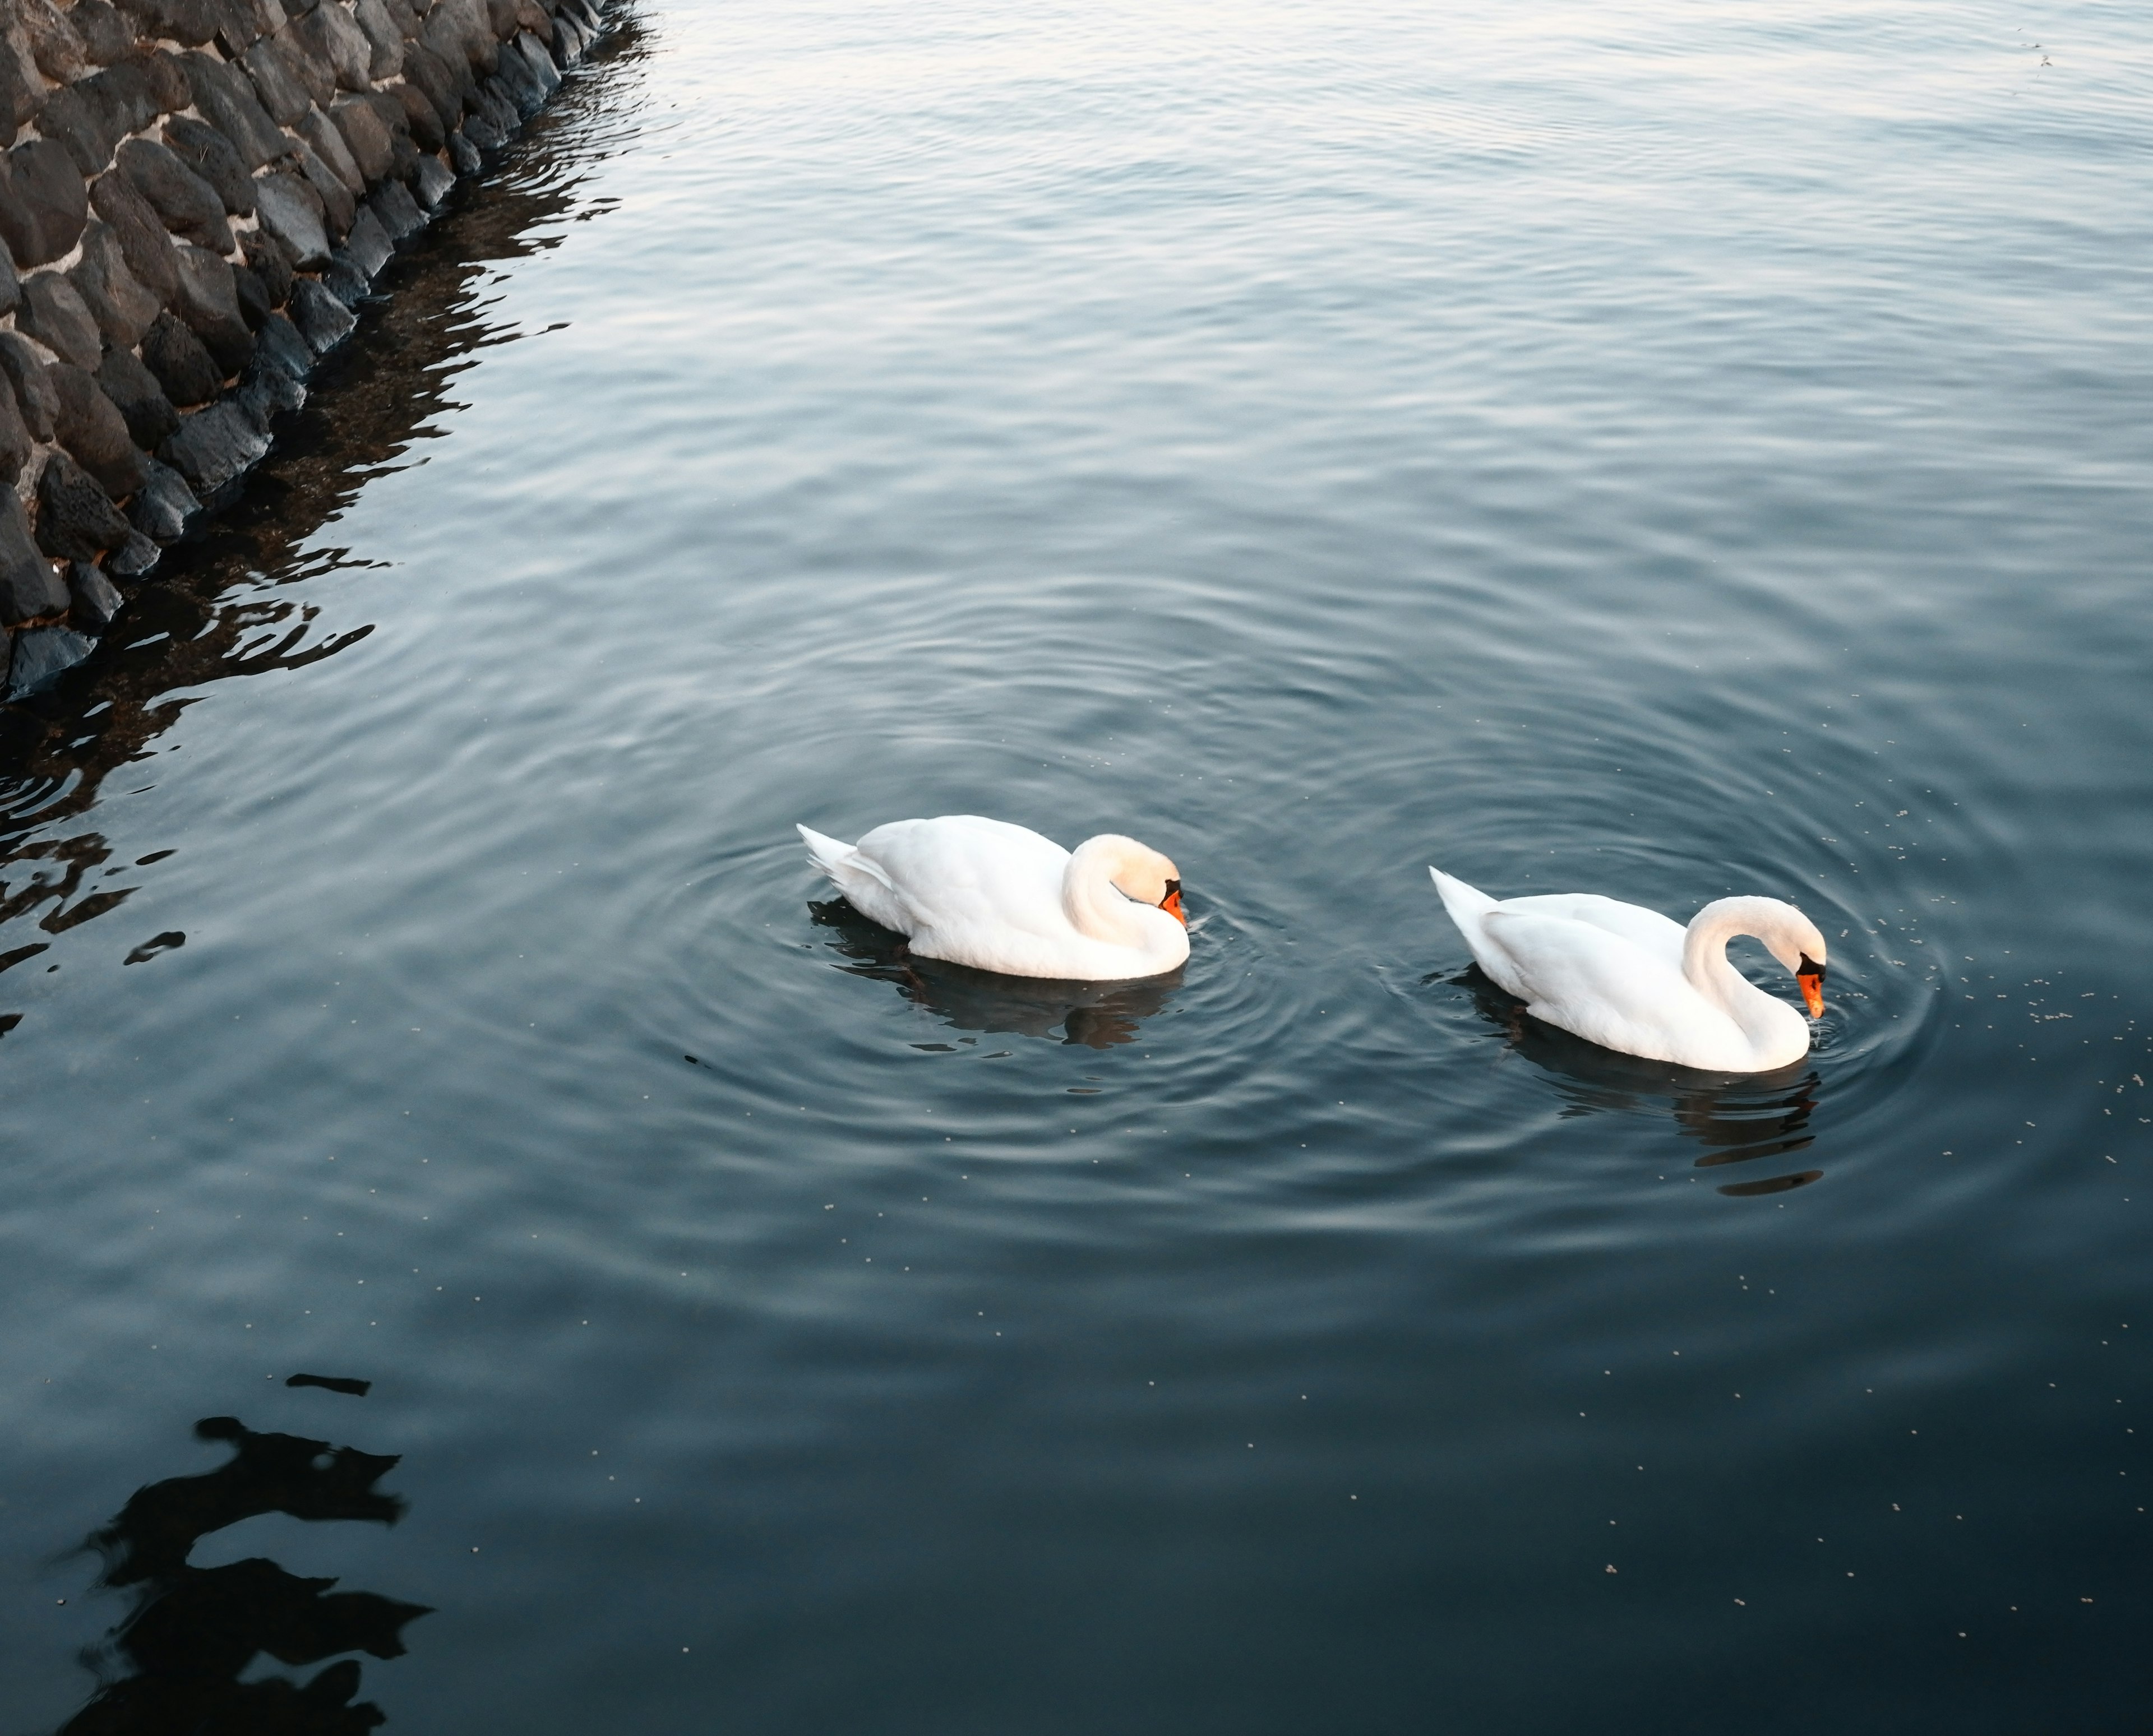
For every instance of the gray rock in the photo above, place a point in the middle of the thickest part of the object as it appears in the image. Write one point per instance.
(440, 82)
(482, 130)
(93, 432)
(275, 84)
(184, 368)
(53, 44)
(15, 442)
(67, 117)
(188, 23)
(421, 120)
(186, 203)
(322, 320)
(540, 65)
(210, 155)
(91, 117)
(292, 212)
(238, 26)
(254, 303)
(344, 280)
(214, 447)
(338, 206)
(327, 141)
(93, 599)
(141, 232)
(29, 589)
(125, 378)
(499, 107)
(228, 102)
(332, 37)
(34, 396)
(568, 41)
(106, 36)
(164, 505)
(278, 344)
(368, 247)
(208, 302)
(136, 556)
(465, 154)
(433, 181)
(43, 203)
(168, 79)
(512, 79)
(372, 145)
(11, 286)
(267, 258)
(122, 308)
(386, 40)
(44, 654)
(76, 520)
(266, 391)
(316, 76)
(397, 211)
(53, 314)
(459, 30)
(20, 94)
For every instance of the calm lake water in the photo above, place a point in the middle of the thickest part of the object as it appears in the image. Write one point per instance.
(1666, 449)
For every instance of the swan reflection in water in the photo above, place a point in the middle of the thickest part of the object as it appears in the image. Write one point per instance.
(194, 1631)
(1740, 1117)
(1098, 1015)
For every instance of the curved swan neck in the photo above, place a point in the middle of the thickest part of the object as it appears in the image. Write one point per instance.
(1093, 904)
(1705, 948)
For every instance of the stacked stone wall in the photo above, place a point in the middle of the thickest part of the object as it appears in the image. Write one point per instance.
(195, 195)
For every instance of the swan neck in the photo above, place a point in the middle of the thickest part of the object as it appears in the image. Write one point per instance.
(1093, 904)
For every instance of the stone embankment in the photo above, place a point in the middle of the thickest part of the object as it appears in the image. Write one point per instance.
(194, 197)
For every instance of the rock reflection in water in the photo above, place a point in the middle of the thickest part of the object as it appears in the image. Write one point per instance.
(194, 1631)
(1098, 1015)
(228, 603)
(1741, 1117)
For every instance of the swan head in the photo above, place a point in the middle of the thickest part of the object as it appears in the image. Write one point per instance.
(1137, 871)
(1797, 943)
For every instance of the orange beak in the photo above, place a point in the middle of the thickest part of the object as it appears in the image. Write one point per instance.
(1170, 904)
(1813, 994)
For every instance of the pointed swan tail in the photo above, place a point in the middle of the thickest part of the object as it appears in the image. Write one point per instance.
(826, 854)
(1467, 906)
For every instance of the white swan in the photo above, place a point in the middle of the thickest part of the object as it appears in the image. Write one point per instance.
(998, 897)
(1627, 978)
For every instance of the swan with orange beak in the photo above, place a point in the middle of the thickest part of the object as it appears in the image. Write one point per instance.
(1000, 897)
(1630, 979)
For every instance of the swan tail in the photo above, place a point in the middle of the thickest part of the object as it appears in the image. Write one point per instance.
(850, 871)
(1467, 905)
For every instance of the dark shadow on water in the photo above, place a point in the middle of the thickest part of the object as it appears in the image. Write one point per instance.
(173, 1667)
(1098, 1015)
(1739, 1117)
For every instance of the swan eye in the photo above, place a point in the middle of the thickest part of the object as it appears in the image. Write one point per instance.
(1810, 968)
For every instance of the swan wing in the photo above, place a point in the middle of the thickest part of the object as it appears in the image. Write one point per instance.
(966, 878)
(1598, 985)
(1633, 923)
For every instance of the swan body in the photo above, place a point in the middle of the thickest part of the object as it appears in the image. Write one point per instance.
(998, 897)
(1629, 979)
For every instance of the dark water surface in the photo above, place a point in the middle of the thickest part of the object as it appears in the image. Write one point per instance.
(1667, 451)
